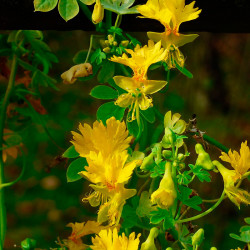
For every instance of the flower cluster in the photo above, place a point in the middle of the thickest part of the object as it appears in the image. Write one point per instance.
(105, 148)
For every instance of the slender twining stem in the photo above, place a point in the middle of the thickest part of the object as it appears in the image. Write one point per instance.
(85, 10)
(204, 213)
(90, 47)
(2, 123)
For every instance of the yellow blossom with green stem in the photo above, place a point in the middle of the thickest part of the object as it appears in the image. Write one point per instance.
(138, 86)
(239, 161)
(230, 178)
(171, 13)
(109, 239)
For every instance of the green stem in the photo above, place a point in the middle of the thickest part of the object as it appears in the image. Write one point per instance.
(2, 123)
(204, 213)
(90, 47)
(108, 15)
(215, 143)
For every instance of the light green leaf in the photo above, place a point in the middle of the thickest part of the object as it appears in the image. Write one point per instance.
(74, 168)
(247, 220)
(70, 152)
(103, 92)
(68, 9)
(120, 7)
(45, 5)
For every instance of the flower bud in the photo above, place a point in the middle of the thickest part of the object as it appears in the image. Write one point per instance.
(169, 138)
(203, 158)
(106, 50)
(166, 194)
(125, 43)
(213, 248)
(149, 244)
(167, 154)
(180, 157)
(28, 244)
(110, 39)
(115, 43)
(169, 248)
(98, 12)
(198, 237)
(147, 161)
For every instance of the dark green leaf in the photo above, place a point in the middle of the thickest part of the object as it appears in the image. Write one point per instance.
(201, 174)
(162, 215)
(98, 56)
(80, 56)
(108, 110)
(103, 92)
(148, 114)
(119, 6)
(115, 30)
(247, 220)
(74, 168)
(28, 244)
(107, 72)
(184, 178)
(133, 40)
(70, 152)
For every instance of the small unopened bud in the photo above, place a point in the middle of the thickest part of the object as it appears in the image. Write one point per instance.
(203, 159)
(125, 43)
(180, 157)
(98, 12)
(167, 154)
(28, 244)
(213, 248)
(115, 43)
(106, 50)
(169, 248)
(149, 244)
(198, 237)
(147, 161)
(110, 39)
(169, 138)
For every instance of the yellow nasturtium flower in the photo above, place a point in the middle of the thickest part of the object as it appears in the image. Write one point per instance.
(107, 139)
(110, 240)
(139, 87)
(239, 161)
(171, 13)
(74, 241)
(230, 177)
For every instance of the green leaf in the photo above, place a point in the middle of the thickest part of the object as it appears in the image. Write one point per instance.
(80, 56)
(162, 214)
(133, 40)
(184, 71)
(107, 72)
(245, 228)
(129, 213)
(148, 114)
(68, 9)
(201, 174)
(145, 206)
(98, 56)
(115, 30)
(133, 127)
(70, 152)
(45, 5)
(103, 92)
(28, 244)
(108, 110)
(244, 236)
(120, 7)
(193, 202)
(74, 168)
(184, 178)
(247, 220)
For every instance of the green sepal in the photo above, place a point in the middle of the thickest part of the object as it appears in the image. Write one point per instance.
(70, 152)
(74, 168)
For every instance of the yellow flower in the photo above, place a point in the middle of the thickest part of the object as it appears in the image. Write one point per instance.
(110, 240)
(230, 177)
(101, 139)
(79, 70)
(138, 87)
(74, 241)
(109, 175)
(138, 91)
(240, 162)
(171, 13)
(108, 171)
(166, 194)
(141, 58)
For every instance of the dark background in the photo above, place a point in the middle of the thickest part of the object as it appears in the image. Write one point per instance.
(217, 16)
